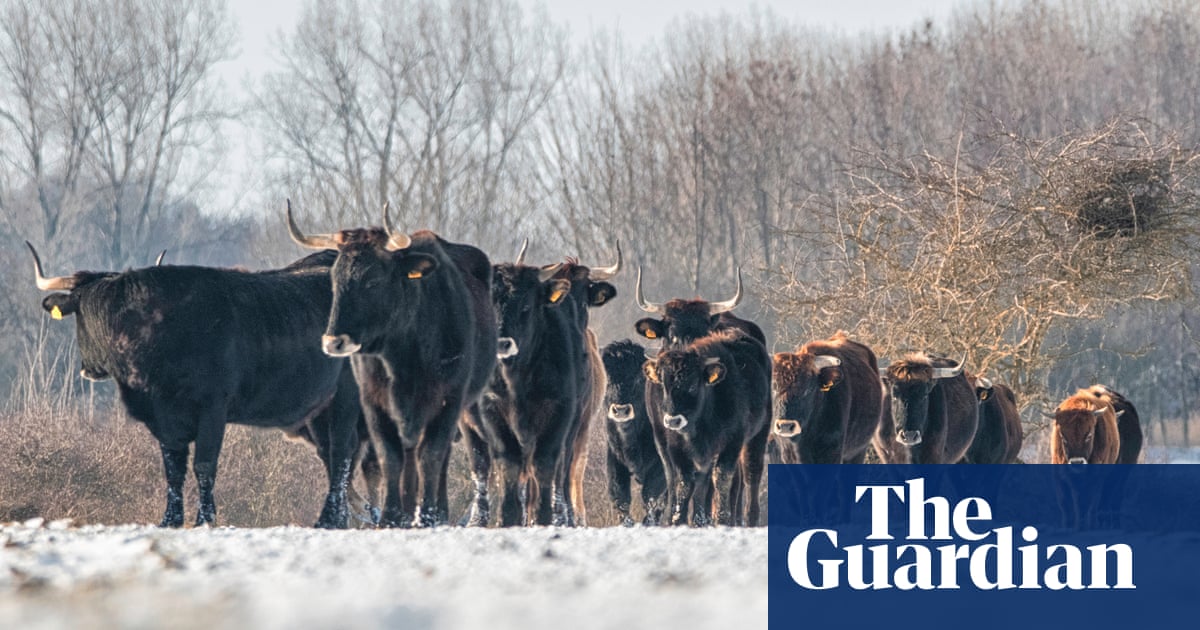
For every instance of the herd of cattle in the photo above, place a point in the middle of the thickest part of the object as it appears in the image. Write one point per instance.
(424, 342)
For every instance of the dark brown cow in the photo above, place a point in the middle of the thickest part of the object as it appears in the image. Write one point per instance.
(413, 313)
(828, 401)
(1129, 425)
(998, 439)
(933, 413)
(1084, 431)
(682, 321)
(709, 406)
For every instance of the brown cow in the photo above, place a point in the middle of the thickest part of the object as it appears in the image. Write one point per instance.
(1084, 431)
(998, 439)
(1129, 426)
(828, 401)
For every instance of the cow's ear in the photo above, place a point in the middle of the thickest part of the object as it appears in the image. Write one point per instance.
(59, 305)
(650, 328)
(650, 368)
(599, 293)
(415, 266)
(830, 377)
(714, 372)
(557, 291)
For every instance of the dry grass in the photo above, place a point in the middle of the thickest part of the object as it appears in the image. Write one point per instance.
(58, 463)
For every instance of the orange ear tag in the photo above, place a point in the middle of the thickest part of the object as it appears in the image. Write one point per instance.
(414, 274)
(649, 334)
(827, 386)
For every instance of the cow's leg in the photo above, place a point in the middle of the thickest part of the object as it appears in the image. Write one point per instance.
(512, 513)
(702, 496)
(481, 469)
(725, 477)
(685, 485)
(618, 487)
(390, 453)
(210, 434)
(431, 454)
(578, 472)
(372, 473)
(752, 463)
(175, 467)
(336, 429)
(654, 495)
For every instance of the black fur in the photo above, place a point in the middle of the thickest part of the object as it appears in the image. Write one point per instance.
(194, 348)
(631, 449)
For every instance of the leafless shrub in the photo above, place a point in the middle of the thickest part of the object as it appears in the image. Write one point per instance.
(980, 253)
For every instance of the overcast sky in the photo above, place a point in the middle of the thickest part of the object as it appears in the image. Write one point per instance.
(639, 21)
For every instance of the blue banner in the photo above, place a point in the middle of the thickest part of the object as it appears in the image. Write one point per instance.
(890, 546)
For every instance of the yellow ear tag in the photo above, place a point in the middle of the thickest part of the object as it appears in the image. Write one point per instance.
(649, 334)
(557, 295)
(827, 386)
(55, 312)
(983, 395)
(713, 376)
(414, 274)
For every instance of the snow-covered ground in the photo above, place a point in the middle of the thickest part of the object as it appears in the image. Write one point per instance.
(55, 576)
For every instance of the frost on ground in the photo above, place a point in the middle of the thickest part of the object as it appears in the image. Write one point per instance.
(53, 576)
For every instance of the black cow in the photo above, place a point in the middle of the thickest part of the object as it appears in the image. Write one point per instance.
(1129, 425)
(532, 408)
(415, 315)
(998, 438)
(709, 405)
(933, 413)
(194, 348)
(589, 289)
(631, 449)
(683, 321)
(828, 401)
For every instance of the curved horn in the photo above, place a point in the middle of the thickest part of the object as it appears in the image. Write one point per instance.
(605, 273)
(396, 240)
(547, 272)
(822, 361)
(1098, 412)
(315, 241)
(715, 308)
(60, 283)
(983, 382)
(649, 307)
(521, 254)
(158, 261)
(942, 372)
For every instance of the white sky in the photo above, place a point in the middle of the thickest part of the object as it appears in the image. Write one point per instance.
(639, 21)
(260, 22)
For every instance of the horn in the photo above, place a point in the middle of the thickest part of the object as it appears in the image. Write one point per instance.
(649, 307)
(605, 273)
(822, 361)
(715, 308)
(315, 241)
(396, 240)
(983, 382)
(547, 272)
(521, 254)
(60, 283)
(949, 372)
(1098, 412)
(158, 261)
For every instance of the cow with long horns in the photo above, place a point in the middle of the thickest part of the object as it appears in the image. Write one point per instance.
(194, 348)
(1084, 431)
(828, 401)
(413, 313)
(682, 321)
(542, 391)
(931, 414)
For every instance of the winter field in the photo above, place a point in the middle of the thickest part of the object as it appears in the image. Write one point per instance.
(55, 576)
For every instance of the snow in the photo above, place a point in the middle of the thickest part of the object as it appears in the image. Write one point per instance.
(55, 576)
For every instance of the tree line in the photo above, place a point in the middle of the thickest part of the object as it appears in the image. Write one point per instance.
(1015, 184)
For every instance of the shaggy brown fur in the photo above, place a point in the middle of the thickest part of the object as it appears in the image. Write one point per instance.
(1080, 432)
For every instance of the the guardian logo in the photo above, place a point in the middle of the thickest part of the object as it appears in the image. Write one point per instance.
(958, 549)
